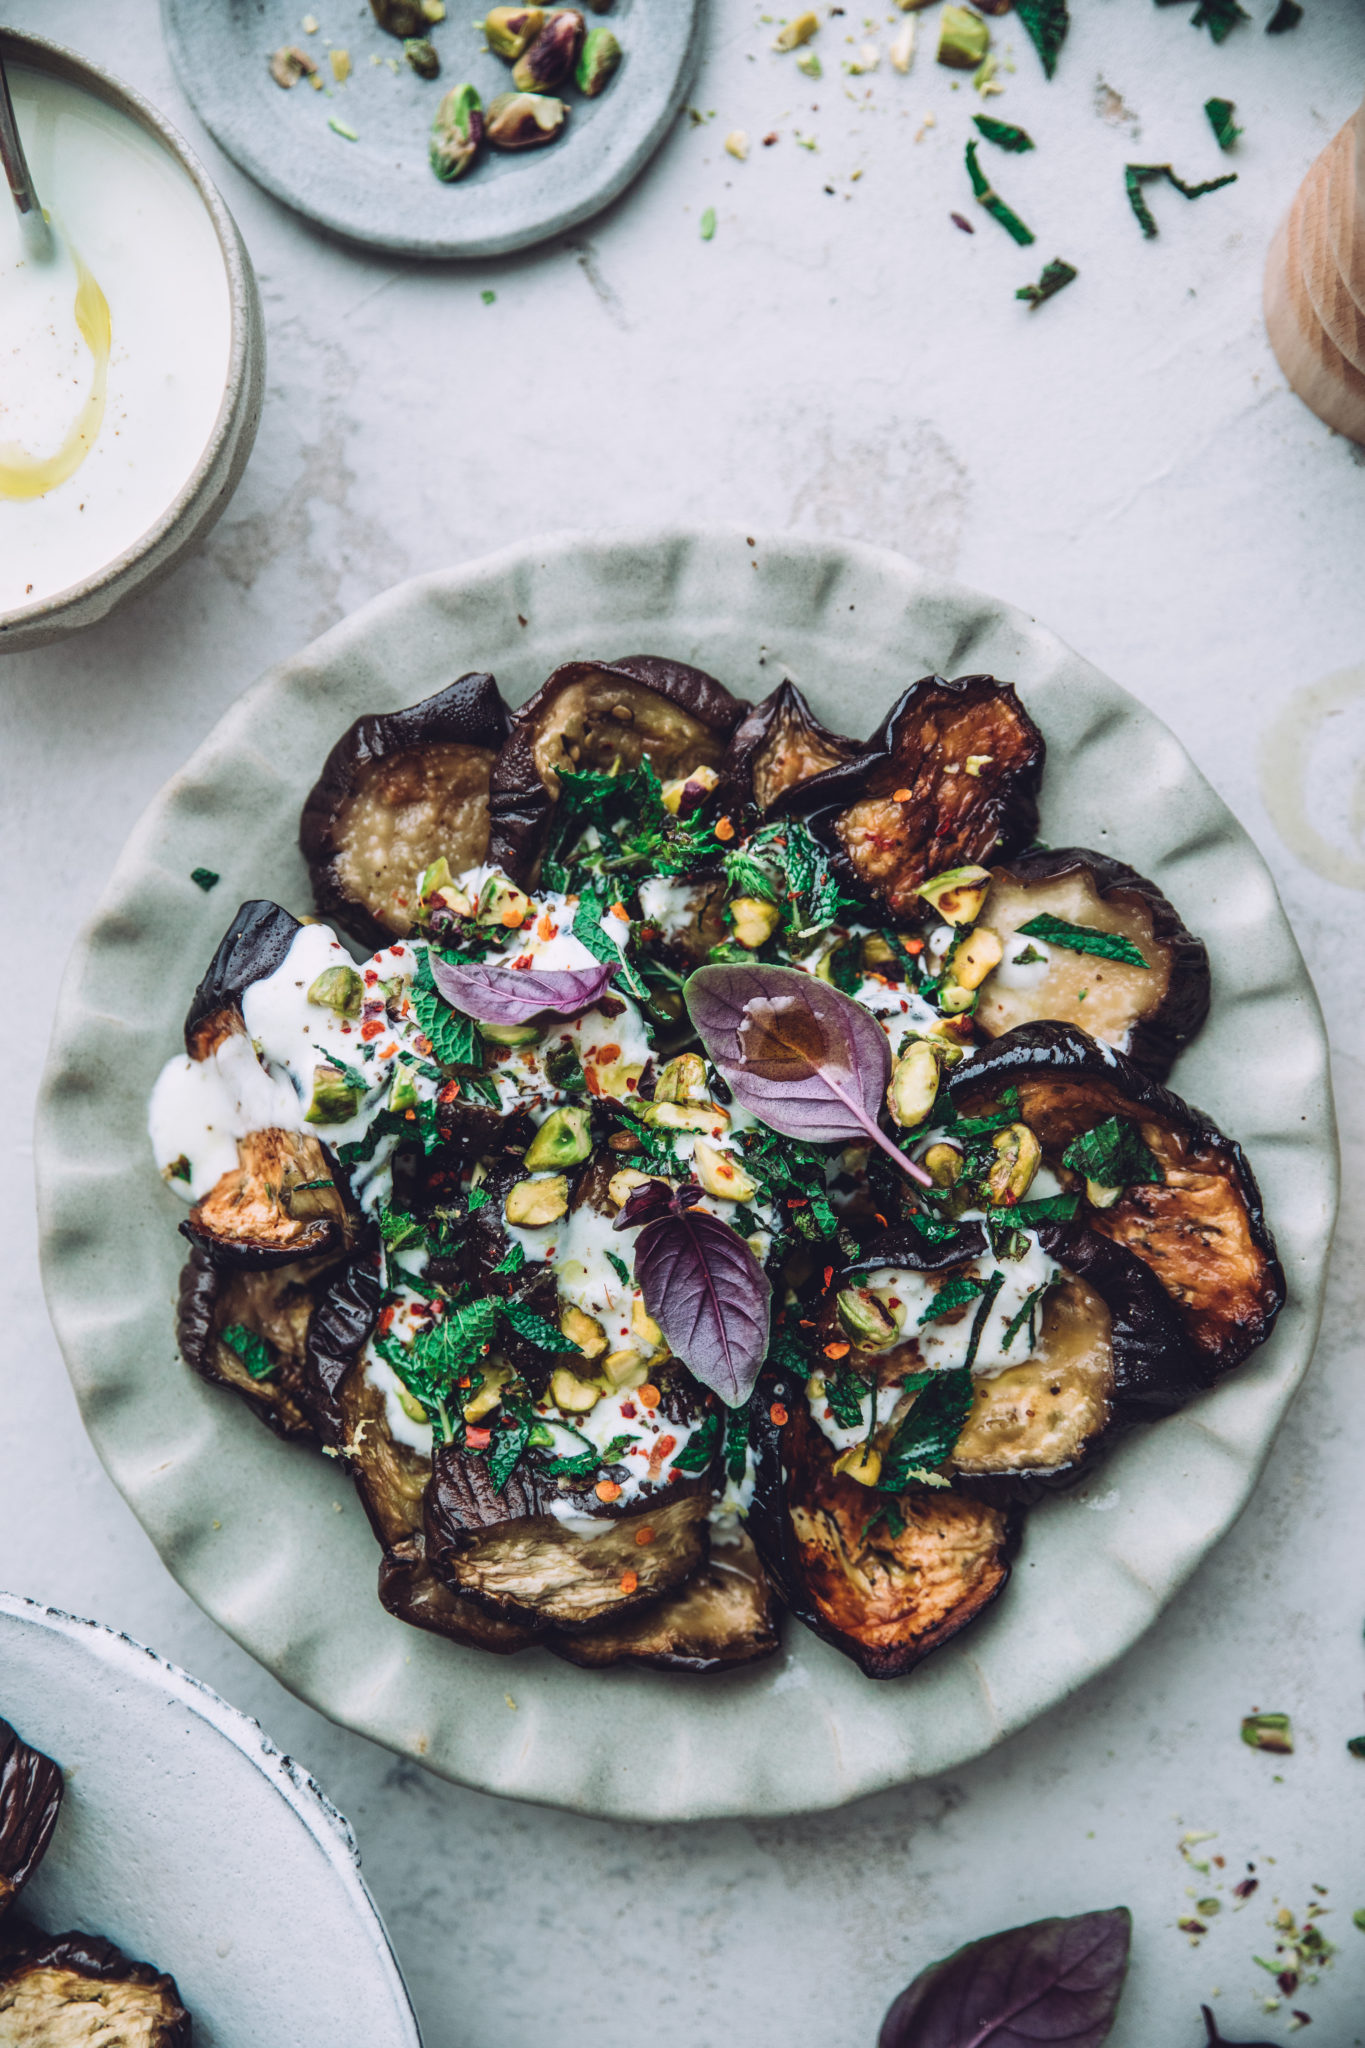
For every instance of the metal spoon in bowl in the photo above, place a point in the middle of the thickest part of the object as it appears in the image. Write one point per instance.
(39, 242)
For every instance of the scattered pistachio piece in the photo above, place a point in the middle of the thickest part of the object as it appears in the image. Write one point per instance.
(524, 120)
(420, 52)
(809, 62)
(737, 145)
(903, 48)
(289, 64)
(509, 31)
(1268, 1731)
(708, 224)
(867, 59)
(861, 1462)
(963, 39)
(798, 31)
(554, 54)
(343, 129)
(340, 61)
(598, 62)
(403, 18)
(865, 1321)
(456, 134)
(310, 24)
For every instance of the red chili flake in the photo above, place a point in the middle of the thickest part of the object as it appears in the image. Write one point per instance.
(594, 1086)
(619, 910)
(450, 1092)
(478, 1439)
(901, 796)
(777, 1415)
(628, 1411)
(829, 1275)
(893, 1301)
(664, 1448)
(370, 977)
(881, 1219)
(524, 960)
(1246, 1887)
(644, 1536)
(724, 829)
(386, 1052)
(649, 931)
(386, 1320)
(373, 1028)
(629, 1581)
(839, 1350)
(423, 1043)
(630, 1082)
(960, 220)
(798, 1202)
(397, 952)
(605, 1054)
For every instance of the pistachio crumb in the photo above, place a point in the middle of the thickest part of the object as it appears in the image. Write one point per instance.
(737, 144)
(340, 61)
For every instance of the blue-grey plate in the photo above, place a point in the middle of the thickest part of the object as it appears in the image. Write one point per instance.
(379, 189)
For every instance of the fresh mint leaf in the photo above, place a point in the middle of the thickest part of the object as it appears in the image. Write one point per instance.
(929, 1431)
(256, 1355)
(737, 1441)
(844, 1391)
(564, 1070)
(352, 1078)
(481, 1088)
(1027, 1314)
(1046, 23)
(953, 1294)
(697, 1453)
(479, 1198)
(1047, 1209)
(399, 1231)
(617, 1448)
(1055, 278)
(619, 1268)
(508, 1444)
(993, 1287)
(513, 1261)
(993, 203)
(1220, 113)
(1219, 17)
(1003, 134)
(1113, 1154)
(205, 878)
(454, 1039)
(1135, 176)
(1082, 938)
(534, 1328)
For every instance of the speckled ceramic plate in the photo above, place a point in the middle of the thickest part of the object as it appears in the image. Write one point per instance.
(190, 1841)
(248, 1525)
(378, 188)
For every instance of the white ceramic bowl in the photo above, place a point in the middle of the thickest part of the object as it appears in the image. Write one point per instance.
(215, 476)
(293, 1581)
(190, 1841)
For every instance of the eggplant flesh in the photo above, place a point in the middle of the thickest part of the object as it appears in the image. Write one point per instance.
(508, 1551)
(724, 1617)
(398, 791)
(273, 1303)
(279, 1204)
(777, 746)
(79, 1991)
(30, 1800)
(885, 1600)
(1201, 1231)
(409, 1589)
(598, 715)
(1147, 1012)
(949, 778)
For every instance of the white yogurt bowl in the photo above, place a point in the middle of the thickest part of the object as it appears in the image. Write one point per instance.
(169, 421)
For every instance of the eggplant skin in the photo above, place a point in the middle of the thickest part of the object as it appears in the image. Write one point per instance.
(409, 1589)
(678, 717)
(508, 1552)
(905, 806)
(1083, 887)
(399, 790)
(1202, 1232)
(886, 1602)
(341, 1326)
(30, 1799)
(252, 947)
(276, 1304)
(722, 1618)
(777, 746)
(79, 1991)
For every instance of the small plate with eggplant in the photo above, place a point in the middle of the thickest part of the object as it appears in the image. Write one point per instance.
(141, 1816)
(720, 1193)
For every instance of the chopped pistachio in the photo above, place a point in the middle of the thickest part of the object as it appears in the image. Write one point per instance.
(1018, 1155)
(333, 1100)
(622, 1185)
(708, 224)
(339, 989)
(865, 1321)
(598, 62)
(564, 1139)
(509, 31)
(420, 52)
(500, 901)
(903, 48)
(753, 921)
(963, 38)
(867, 59)
(340, 61)
(532, 1203)
(583, 1330)
(624, 1368)
(553, 55)
(720, 1173)
(809, 62)
(403, 1089)
(944, 1163)
(343, 129)
(958, 894)
(737, 145)
(290, 64)
(974, 763)
(510, 1034)
(976, 956)
(688, 789)
(913, 1087)
(682, 1079)
(571, 1394)
(797, 31)
(402, 18)
(685, 1116)
(524, 120)
(1268, 1731)
(456, 134)
(861, 1462)
(310, 24)
(643, 1326)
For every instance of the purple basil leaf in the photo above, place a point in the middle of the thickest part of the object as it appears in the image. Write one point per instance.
(1053, 1984)
(1217, 2040)
(806, 1059)
(653, 1198)
(705, 1289)
(513, 995)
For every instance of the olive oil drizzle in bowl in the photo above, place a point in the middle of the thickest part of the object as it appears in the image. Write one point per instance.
(31, 476)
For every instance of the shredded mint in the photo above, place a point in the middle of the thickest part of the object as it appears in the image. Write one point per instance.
(256, 1355)
(1027, 1314)
(1003, 134)
(206, 878)
(1056, 276)
(1113, 1154)
(513, 1261)
(454, 1038)
(953, 1294)
(1135, 176)
(479, 1198)
(619, 1268)
(697, 1453)
(1220, 113)
(993, 203)
(929, 1431)
(737, 1441)
(1082, 938)
(1046, 22)
(1219, 17)
(508, 1444)
(528, 1324)
(844, 1391)
(1048, 1209)
(993, 1287)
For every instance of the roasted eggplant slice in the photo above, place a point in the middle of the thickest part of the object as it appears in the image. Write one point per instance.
(1200, 1229)
(723, 1617)
(508, 1551)
(885, 1580)
(409, 1589)
(279, 1204)
(79, 1991)
(594, 714)
(248, 1330)
(398, 791)
(776, 747)
(30, 1800)
(1148, 1012)
(253, 946)
(949, 778)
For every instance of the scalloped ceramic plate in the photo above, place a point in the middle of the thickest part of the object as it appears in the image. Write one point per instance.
(292, 1580)
(378, 189)
(188, 1839)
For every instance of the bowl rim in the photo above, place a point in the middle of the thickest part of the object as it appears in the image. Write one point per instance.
(59, 61)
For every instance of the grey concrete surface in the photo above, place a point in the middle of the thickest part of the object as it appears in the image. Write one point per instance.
(1128, 465)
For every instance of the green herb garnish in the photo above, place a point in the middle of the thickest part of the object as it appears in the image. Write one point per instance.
(205, 878)
(1219, 17)
(513, 1261)
(1056, 276)
(454, 1038)
(953, 1294)
(1047, 22)
(708, 224)
(930, 1430)
(1003, 134)
(993, 203)
(993, 1287)
(1220, 113)
(737, 1441)
(1135, 176)
(256, 1355)
(844, 1392)
(619, 1268)
(1082, 938)
(535, 1328)
(1286, 16)
(1113, 1154)
(1027, 1314)
(697, 1453)
(1047, 1209)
